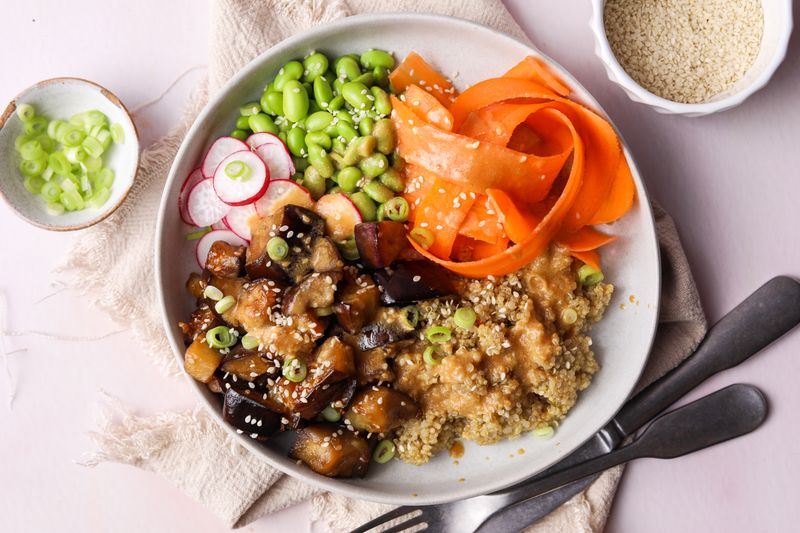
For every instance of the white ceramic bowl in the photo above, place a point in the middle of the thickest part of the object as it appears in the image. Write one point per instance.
(62, 98)
(621, 341)
(777, 30)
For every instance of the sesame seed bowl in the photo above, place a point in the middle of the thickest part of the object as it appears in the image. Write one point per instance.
(699, 60)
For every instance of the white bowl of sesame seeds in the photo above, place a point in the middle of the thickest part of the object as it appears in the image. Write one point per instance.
(692, 57)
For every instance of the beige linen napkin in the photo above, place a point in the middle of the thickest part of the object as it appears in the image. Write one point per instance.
(112, 263)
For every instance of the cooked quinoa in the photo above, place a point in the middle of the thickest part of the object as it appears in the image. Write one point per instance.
(685, 50)
(519, 368)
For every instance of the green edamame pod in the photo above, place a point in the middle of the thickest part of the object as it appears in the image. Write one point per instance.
(382, 103)
(318, 137)
(347, 131)
(295, 141)
(291, 71)
(381, 76)
(262, 122)
(384, 134)
(242, 123)
(320, 160)
(393, 179)
(349, 178)
(367, 79)
(319, 121)
(336, 103)
(374, 165)
(239, 134)
(355, 94)
(314, 66)
(365, 125)
(365, 206)
(347, 67)
(274, 101)
(295, 101)
(323, 93)
(377, 58)
(314, 182)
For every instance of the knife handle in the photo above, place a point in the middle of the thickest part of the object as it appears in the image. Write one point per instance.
(763, 317)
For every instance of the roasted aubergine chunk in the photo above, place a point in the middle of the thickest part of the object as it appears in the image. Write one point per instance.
(390, 326)
(332, 451)
(300, 228)
(225, 260)
(373, 366)
(379, 409)
(202, 319)
(249, 416)
(380, 243)
(315, 291)
(414, 281)
(357, 302)
(201, 360)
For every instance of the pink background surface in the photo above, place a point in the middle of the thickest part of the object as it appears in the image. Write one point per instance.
(730, 180)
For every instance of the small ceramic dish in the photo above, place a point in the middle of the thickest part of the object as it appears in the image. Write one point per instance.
(62, 98)
(775, 40)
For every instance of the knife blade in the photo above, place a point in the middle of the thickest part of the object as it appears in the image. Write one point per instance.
(764, 316)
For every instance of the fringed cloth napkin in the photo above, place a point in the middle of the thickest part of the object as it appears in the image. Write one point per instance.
(113, 264)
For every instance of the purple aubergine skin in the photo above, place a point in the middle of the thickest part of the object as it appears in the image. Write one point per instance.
(411, 282)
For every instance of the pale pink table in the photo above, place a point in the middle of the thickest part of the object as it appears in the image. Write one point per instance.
(730, 181)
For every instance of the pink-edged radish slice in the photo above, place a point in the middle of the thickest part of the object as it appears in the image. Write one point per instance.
(222, 148)
(241, 178)
(237, 220)
(281, 193)
(205, 242)
(277, 158)
(340, 214)
(194, 177)
(204, 206)
(264, 137)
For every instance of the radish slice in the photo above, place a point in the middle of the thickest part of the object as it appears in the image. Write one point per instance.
(205, 242)
(204, 206)
(241, 178)
(222, 148)
(237, 220)
(340, 214)
(219, 224)
(281, 193)
(194, 177)
(277, 158)
(264, 137)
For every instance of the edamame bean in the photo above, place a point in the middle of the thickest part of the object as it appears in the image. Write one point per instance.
(349, 178)
(250, 108)
(365, 206)
(334, 188)
(291, 71)
(338, 161)
(381, 76)
(315, 66)
(393, 180)
(239, 134)
(242, 123)
(282, 136)
(262, 122)
(318, 121)
(377, 58)
(338, 83)
(347, 67)
(295, 140)
(336, 103)
(308, 87)
(382, 103)
(384, 134)
(323, 93)
(374, 165)
(314, 182)
(367, 79)
(338, 146)
(346, 130)
(320, 160)
(274, 101)
(355, 93)
(341, 114)
(365, 125)
(295, 101)
(313, 106)
(332, 130)
(318, 137)
(358, 149)
(300, 163)
(378, 191)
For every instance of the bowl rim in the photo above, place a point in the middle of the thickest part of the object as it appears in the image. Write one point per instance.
(306, 475)
(620, 76)
(111, 97)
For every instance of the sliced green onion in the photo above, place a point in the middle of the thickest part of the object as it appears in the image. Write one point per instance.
(104, 136)
(93, 147)
(430, 356)
(99, 198)
(59, 163)
(94, 118)
(72, 200)
(193, 236)
(105, 177)
(51, 191)
(237, 170)
(25, 112)
(438, 334)
(423, 237)
(396, 209)
(589, 276)
(384, 451)
(331, 415)
(277, 248)
(569, 316)
(226, 303)
(464, 317)
(544, 432)
(35, 126)
(117, 134)
(220, 337)
(54, 209)
(75, 154)
(32, 150)
(32, 167)
(249, 342)
(52, 128)
(348, 249)
(92, 164)
(213, 293)
(20, 141)
(33, 184)
(409, 316)
(71, 136)
(294, 370)
(324, 311)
